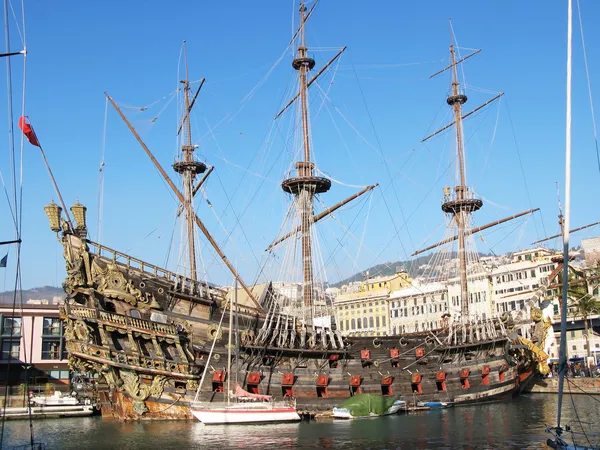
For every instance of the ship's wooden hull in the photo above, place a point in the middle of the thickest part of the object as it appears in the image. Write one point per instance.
(149, 333)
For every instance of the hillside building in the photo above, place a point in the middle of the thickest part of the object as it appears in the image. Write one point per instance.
(365, 311)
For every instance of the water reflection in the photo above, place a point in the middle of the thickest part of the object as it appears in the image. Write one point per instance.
(513, 424)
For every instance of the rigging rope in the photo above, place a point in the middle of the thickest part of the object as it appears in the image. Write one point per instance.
(589, 85)
(18, 211)
(101, 177)
(387, 169)
(523, 174)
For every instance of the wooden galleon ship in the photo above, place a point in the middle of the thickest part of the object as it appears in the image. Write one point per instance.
(147, 332)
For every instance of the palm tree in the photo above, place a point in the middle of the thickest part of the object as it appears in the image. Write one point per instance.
(580, 299)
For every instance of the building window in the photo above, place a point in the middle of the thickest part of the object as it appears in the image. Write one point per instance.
(574, 347)
(353, 322)
(11, 338)
(51, 326)
(11, 326)
(50, 349)
(10, 349)
(371, 324)
(58, 374)
(53, 343)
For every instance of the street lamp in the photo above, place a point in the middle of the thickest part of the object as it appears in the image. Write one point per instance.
(591, 340)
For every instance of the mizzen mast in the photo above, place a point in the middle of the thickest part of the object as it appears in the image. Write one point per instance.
(305, 185)
(188, 168)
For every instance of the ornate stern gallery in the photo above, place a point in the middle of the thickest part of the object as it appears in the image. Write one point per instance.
(114, 329)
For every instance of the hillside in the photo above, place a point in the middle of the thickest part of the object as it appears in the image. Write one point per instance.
(39, 293)
(414, 267)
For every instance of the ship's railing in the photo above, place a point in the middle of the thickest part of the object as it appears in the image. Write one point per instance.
(182, 284)
(137, 323)
(118, 319)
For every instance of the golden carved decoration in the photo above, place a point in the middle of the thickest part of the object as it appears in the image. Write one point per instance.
(113, 284)
(82, 331)
(139, 391)
(536, 314)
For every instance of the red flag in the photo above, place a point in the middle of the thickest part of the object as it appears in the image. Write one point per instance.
(27, 130)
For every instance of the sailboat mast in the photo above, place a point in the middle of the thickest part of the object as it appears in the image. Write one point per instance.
(188, 168)
(562, 365)
(462, 205)
(305, 185)
(229, 342)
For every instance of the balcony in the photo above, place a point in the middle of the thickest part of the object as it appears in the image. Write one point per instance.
(131, 360)
(118, 320)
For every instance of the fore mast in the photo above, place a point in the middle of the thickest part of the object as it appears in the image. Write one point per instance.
(188, 168)
(305, 185)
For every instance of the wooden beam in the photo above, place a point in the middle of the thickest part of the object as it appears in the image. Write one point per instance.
(182, 200)
(571, 231)
(476, 230)
(310, 82)
(463, 117)
(325, 213)
(189, 110)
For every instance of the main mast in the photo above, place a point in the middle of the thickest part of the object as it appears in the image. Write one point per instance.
(463, 203)
(305, 185)
(188, 168)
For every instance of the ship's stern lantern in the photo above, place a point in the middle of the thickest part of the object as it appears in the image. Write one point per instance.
(79, 213)
(446, 191)
(53, 211)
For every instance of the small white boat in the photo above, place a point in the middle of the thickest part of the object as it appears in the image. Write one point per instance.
(55, 399)
(246, 408)
(245, 412)
(367, 405)
(45, 412)
(240, 406)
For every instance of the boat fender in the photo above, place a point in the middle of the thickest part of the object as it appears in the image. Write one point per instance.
(376, 343)
(376, 363)
(403, 342)
(216, 356)
(429, 341)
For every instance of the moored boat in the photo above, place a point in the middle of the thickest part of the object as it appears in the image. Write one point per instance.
(368, 405)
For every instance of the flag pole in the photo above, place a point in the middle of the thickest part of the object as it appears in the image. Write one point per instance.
(56, 189)
(29, 133)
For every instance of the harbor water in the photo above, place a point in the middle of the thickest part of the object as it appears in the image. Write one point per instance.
(515, 424)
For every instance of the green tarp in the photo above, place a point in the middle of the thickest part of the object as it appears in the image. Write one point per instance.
(365, 404)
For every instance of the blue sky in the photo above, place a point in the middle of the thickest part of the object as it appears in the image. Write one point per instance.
(380, 104)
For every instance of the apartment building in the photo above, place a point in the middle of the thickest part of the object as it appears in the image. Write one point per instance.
(32, 344)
